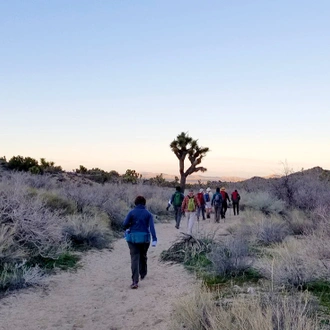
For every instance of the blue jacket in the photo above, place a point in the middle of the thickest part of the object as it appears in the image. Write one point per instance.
(213, 198)
(140, 220)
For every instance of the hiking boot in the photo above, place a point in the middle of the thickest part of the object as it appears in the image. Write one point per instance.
(134, 286)
(176, 226)
(143, 276)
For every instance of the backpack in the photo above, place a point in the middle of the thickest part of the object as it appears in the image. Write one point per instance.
(191, 204)
(207, 197)
(177, 200)
(200, 197)
(217, 199)
(235, 196)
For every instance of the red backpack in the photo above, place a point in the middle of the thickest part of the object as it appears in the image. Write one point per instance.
(200, 198)
(235, 196)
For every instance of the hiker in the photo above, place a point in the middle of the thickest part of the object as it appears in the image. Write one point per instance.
(138, 224)
(217, 204)
(225, 198)
(176, 200)
(201, 208)
(189, 206)
(235, 198)
(208, 198)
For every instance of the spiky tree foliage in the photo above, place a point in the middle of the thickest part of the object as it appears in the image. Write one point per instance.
(184, 146)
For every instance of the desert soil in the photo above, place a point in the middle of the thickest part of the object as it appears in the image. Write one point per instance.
(98, 295)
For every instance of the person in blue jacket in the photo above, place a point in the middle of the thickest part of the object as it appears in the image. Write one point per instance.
(139, 224)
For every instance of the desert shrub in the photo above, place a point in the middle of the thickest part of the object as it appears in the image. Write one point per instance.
(264, 202)
(291, 264)
(157, 207)
(304, 191)
(264, 311)
(258, 228)
(299, 222)
(116, 199)
(57, 203)
(19, 275)
(10, 251)
(271, 230)
(67, 260)
(230, 257)
(86, 232)
(36, 228)
(188, 248)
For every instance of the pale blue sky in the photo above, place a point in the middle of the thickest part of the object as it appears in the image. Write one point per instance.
(110, 84)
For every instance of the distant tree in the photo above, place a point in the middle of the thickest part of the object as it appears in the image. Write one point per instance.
(114, 174)
(131, 176)
(3, 162)
(82, 169)
(158, 180)
(184, 146)
(20, 163)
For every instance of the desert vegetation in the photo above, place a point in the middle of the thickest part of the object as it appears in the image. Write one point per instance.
(46, 221)
(272, 270)
(274, 264)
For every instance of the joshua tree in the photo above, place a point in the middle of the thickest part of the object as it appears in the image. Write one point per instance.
(184, 146)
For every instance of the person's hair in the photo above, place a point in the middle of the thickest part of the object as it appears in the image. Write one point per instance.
(140, 200)
(218, 189)
(178, 188)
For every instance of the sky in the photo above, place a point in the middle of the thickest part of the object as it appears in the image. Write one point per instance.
(110, 84)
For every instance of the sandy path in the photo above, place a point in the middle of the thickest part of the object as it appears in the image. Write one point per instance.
(97, 296)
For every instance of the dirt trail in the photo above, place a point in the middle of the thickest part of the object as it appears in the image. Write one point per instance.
(97, 295)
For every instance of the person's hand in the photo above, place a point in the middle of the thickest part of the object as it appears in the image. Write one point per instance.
(154, 243)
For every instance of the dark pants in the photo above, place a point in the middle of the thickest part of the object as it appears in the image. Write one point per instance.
(139, 259)
(177, 214)
(224, 207)
(201, 209)
(236, 208)
(217, 211)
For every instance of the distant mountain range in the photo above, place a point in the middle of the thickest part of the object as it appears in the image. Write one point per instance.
(194, 178)
(315, 171)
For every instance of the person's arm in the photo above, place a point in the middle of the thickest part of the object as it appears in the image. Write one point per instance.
(183, 206)
(152, 230)
(128, 220)
(169, 202)
(197, 201)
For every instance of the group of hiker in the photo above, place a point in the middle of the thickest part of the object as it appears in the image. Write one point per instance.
(193, 206)
(140, 229)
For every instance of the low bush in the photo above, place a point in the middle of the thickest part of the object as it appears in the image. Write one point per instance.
(187, 249)
(271, 230)
(57, 203)
(85, 232)
(291, 264)
(19, 275)
(299, 222)
(230, 257)
(202, 310)
(264, 202)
